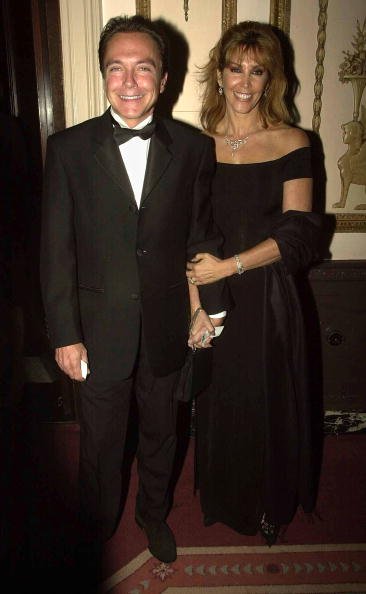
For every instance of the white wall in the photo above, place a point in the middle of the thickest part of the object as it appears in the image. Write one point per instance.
(112, 8)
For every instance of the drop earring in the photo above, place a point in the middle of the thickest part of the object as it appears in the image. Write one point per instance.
(221, 90)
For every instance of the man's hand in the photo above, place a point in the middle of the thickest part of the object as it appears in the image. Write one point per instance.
(201, 332)
(68, 358)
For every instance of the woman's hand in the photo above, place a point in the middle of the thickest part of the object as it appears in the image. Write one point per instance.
(205, 269)
(201, 331)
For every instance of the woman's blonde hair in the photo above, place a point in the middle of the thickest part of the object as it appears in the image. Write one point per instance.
(259, 40)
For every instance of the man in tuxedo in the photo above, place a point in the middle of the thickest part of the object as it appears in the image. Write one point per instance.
(122, 213)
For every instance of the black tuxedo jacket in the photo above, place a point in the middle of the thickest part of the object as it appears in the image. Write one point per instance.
(106, 264)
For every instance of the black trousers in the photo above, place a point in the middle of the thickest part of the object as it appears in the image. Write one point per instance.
(104, 411)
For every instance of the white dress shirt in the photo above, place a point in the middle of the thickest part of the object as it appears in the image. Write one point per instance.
(134, 154)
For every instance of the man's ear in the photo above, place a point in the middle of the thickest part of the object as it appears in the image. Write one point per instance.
(163, 82)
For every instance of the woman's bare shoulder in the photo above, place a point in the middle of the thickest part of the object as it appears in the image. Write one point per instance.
(290, 138)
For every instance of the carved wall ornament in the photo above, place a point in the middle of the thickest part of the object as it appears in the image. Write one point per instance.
(355, 62)
(186, 9)
(353, 68)
(319, 68)
(352, 164)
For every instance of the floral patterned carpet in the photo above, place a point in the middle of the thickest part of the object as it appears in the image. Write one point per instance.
(281, 569)
(323, 552)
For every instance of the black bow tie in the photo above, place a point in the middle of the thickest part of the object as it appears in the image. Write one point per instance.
(122, 135)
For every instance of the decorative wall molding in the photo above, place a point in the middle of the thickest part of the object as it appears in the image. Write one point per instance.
(341, 270)
(319, 68)
(280, 14)
(351, 223)
(229, 14)
(81, 23)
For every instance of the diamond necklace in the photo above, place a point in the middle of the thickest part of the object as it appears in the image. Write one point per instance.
(235, 143)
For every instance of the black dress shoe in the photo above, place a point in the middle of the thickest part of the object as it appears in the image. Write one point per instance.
(161, 540)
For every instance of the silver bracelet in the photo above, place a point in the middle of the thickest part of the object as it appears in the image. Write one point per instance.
(239, 264)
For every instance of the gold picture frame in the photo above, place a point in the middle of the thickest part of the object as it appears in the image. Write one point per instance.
(143, 7)
(280, 11)
(229, 14)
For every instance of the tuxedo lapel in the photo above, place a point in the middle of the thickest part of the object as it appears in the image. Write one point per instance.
(158, 160)
(108, 156)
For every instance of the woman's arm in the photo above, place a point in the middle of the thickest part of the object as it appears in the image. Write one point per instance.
(201, 329)
(297, 196)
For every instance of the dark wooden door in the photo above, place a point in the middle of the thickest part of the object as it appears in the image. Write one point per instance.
(32, 108)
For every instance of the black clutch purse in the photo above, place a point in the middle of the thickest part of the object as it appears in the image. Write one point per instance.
(195, 374)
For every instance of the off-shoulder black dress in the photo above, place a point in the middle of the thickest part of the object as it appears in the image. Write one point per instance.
(253, 422)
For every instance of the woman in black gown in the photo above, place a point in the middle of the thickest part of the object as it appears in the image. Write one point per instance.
(253, 423)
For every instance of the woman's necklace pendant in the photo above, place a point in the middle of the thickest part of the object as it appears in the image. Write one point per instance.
(235, 143)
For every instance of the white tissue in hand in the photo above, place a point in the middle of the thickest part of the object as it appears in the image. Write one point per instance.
(84, 369)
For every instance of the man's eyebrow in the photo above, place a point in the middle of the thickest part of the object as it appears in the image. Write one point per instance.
(148, 61)
(145, 61)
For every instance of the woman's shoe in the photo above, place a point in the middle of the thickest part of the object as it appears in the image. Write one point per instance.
(269, 531)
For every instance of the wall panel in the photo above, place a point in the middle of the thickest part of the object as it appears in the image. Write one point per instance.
(255, 10)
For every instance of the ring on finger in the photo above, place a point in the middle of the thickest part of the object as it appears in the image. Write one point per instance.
(192, 280)
(205, 336)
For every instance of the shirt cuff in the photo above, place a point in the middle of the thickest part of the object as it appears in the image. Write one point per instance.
(218, 329)
(221, 314)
